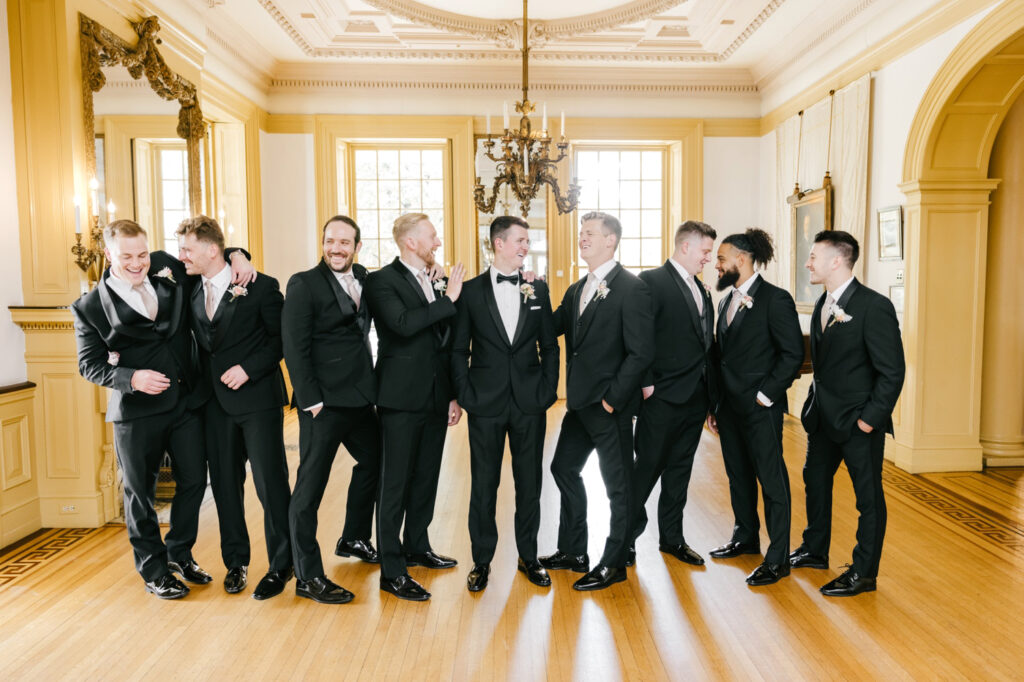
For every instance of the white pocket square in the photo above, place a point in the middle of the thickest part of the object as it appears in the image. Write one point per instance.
(534, 307)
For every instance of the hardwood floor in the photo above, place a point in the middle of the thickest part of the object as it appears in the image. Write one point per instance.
(949, 601)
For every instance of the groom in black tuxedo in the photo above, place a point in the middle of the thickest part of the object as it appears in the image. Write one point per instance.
(859, 369)
(134, 338)
(609, 345)
(326, 328)
(678, 389)
(415, 396)
(505, 367)
(760, 350)
(238, 331)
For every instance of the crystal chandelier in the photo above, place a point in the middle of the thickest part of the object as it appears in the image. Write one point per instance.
(525, 164)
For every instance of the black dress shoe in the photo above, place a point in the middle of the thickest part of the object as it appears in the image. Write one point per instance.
(684, 553)
(167, 587)
(767, 573)
(236, 579)
(361, 549)
(732, 549)
(477, 579)
(848, 584)
(535, 572)
(801, 558)
(430, 559)
(404, 587)
(190, 571)
(560, 560)
(322, 590)
(600, 578)
(631, 556)
(272, 584)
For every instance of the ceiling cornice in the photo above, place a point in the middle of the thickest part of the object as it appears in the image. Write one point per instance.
(310, 84)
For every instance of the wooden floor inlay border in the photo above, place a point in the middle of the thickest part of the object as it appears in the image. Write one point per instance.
(22, 560)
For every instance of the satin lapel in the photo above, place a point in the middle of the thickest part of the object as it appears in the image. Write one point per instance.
(168, 297)
(816, 326)
(723, 306)
(222, 317)
(709, 336)
(691, 305)
(591, 310)
(347, 305)
(741, 314)
(407, 274)
(492, 306)
(122, 317)
(841, 303)
(198, 303)
(521, 322)
(362, 312)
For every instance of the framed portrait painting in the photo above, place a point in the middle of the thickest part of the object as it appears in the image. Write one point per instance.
(811, 212)
(890, 233)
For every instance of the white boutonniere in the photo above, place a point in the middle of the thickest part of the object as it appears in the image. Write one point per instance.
(747, 302)
(440, 286)
(165, 273)
(236, 291)
(526, 289)
(113, 357)
(602, 291)
(839, 315)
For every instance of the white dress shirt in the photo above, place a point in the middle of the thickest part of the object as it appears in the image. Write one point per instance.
(507, 296)
(744, 289)
(691, 283)
(129, 295)
(344, 279)
(220, 283)
(838, 293)
(599, 273)
(429, 291)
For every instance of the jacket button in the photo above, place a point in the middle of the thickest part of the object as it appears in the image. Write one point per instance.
(575, 355)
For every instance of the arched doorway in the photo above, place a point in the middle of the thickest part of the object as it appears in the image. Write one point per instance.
(948, 189)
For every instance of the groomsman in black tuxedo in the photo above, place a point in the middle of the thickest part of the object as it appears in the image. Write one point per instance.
(609, 345)
(133, 337)
(678, 388)
(760, 350)
(505, 366)
(238, 331)
(326, 327)
(415, 396)
(858, 375)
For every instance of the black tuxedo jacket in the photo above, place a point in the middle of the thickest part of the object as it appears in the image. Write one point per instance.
(858, 365)
(245, 330)
(761, 350)
(326, 341)
(104, 323)
(610, 347)
(487, 369)
(682, 347)
(413, 340)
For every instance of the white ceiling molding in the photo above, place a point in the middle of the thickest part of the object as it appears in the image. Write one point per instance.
(306, 85)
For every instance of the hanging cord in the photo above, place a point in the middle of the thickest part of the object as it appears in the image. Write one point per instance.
(799, 141)
(831, 109)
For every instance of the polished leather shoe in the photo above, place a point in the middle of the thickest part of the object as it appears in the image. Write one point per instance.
(477, 579)
(600, 578)
(430, 559)
(190, 571)
(404, 587)
(848, 584)
(732, 549)
(801, 558)
(684, 553)
(361, 549)
(272, 584)
(167, 587)
(560, 560)
(535, 572)
(322, 590)
(236, 579)
(767, 574)
(631, 557)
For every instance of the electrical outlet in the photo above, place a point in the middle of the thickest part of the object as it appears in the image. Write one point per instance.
(68, 509)
(899, 276)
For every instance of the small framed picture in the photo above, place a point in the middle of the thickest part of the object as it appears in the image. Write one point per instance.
(896, 296)
(890, 233)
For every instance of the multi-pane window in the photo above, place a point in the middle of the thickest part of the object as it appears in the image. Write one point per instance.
(628, 184)
(172, 192)
(389, 181)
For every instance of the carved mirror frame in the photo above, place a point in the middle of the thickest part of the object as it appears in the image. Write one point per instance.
(100, 47)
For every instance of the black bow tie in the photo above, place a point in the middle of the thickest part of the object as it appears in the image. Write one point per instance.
(513, 279)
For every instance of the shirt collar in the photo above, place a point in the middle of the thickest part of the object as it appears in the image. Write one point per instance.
(414, 271)
(122, 287)
(838, 293)
(495, 272)
(602, 270)
(745, 287)
(222, 279)
(681, 270)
